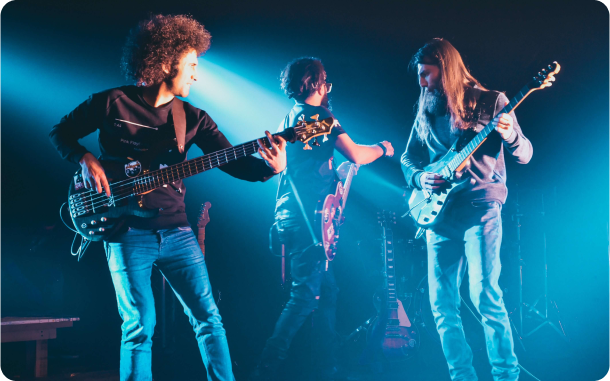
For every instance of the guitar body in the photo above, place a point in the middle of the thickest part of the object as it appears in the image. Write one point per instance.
(400, 338)
(328, 218)
(426, 207)
(391, 329)
(95, 215)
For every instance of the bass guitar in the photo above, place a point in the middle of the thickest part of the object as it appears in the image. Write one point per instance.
(329, 214)
(426, 207)
(97, 216)
(399, 338)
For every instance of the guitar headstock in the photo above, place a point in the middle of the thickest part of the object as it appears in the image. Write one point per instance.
(386, 218)
(305, 131)
(204, 216)
(545, 77)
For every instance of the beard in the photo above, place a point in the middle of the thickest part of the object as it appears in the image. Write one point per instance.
(434, 103)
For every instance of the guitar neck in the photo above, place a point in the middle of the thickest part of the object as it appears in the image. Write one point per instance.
(201, 239)
(388, 247)
(155, 179)
(472, 146)
(347, 185)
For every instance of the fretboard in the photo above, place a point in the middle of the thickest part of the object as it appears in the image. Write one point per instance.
(170, 174)
(388, 247)
(347, 185)
(481, 136)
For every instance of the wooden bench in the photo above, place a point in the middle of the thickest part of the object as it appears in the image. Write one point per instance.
(38, 329)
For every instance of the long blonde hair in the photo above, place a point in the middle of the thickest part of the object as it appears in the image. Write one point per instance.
(455, 79)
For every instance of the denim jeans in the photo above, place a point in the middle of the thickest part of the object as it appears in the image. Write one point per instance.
(470, 237)
(313, 290)
(176, 253)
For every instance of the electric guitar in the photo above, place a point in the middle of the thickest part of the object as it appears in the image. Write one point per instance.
(329, 214)
(97, 216)
(202, 221)
(426, 207)
(400, 338)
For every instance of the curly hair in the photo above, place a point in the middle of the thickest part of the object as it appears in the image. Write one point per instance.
(301, 77)
(161, 40)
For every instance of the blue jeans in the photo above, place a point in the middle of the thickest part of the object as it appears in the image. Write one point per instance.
(176, 253)
(470, 237)
(313, 290)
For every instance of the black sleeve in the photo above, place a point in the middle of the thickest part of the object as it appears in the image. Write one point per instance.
(414, 159)
(248, 168)
(82, 121)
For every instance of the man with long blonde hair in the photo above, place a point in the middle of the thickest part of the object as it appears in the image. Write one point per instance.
(454, 105)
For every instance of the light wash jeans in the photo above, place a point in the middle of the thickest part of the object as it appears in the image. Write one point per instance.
(131, 257)
(470, 237)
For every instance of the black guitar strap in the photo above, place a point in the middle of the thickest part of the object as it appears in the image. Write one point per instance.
(179, 123)
(485, 107)
(483, 114)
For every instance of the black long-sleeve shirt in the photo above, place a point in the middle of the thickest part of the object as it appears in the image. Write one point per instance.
(486, 165)
(131, 128)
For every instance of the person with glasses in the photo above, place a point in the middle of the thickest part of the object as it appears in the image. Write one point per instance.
(309, 176)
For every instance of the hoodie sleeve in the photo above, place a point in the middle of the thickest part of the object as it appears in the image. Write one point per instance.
(517, 146)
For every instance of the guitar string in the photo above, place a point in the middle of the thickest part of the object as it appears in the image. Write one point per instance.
(168, 170)
(101, 199)
(471, 146)
(212, 160)
(212, 156)
(209, 157)
(152, 178)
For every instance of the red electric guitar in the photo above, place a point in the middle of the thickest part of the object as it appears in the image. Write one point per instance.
(329, 214)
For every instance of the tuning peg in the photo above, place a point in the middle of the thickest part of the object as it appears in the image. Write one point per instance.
(325, 138)
(315, 142)
(550, 68)
(307, 147)
(315, 117)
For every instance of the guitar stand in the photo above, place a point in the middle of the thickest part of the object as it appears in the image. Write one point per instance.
(545, 319)
(531, 310)
(363, 327)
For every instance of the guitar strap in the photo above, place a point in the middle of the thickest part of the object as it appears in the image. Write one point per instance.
(179, 123)
(485, 107)
(483, 114)
(296, 196)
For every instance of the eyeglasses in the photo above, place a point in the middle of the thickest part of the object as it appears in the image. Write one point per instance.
(329, 87)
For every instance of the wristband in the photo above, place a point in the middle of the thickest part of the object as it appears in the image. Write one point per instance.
(385, 151)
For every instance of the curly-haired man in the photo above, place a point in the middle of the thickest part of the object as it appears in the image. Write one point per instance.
(133, 121)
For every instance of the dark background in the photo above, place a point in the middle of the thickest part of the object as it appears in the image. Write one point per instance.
(55, 54)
